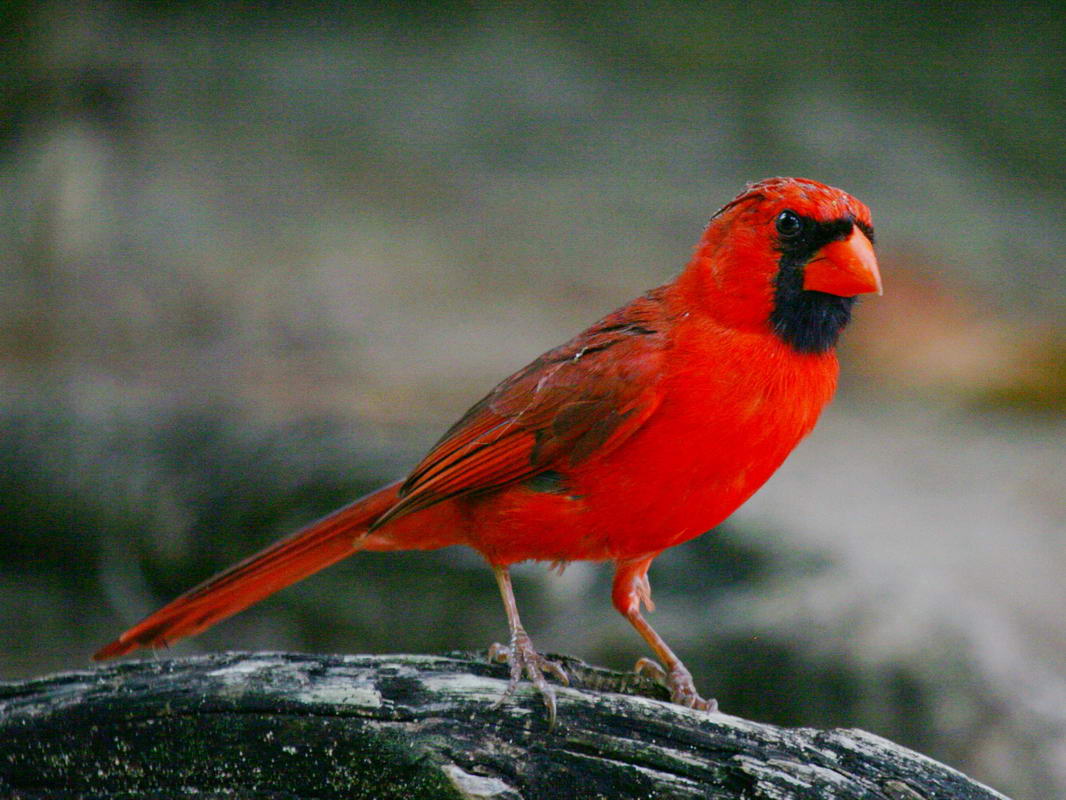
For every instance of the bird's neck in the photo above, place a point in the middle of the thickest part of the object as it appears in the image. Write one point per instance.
(734, 299)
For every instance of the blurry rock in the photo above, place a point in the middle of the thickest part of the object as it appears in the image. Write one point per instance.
(915, 588)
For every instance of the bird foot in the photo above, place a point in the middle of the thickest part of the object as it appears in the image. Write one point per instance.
(524, 660)
(679, 682)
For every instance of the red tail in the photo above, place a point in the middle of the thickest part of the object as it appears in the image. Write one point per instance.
(305, 552)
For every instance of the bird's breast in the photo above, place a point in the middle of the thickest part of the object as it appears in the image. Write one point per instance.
(724, 424)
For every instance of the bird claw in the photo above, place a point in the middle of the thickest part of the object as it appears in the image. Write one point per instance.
(679, 683)
(524, 660)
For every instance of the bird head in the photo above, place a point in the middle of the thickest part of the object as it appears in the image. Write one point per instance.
(788, 255)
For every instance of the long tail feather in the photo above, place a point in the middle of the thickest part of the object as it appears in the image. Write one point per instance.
(305, 552)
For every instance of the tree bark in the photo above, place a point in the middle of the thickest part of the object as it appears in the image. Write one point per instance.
(300, 726)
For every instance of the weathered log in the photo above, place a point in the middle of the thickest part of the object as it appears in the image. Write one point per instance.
(283, 725)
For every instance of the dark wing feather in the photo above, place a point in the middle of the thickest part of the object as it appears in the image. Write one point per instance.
(576, 400)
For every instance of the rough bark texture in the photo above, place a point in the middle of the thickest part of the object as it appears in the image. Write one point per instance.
(279, 725)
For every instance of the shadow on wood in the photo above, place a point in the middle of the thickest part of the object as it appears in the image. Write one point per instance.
(285, 725)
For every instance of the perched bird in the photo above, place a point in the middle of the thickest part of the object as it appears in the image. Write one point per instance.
(644, 431)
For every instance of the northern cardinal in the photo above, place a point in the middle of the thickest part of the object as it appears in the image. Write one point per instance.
(644, 431)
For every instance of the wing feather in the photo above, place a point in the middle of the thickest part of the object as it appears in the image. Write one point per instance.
(573, 402)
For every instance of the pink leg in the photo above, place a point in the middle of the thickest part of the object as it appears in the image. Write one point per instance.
(520, 653)
(631, 588)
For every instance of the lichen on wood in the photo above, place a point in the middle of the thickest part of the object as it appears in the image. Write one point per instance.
(404, 726)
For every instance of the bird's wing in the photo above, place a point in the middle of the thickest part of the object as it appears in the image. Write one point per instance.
(582, 398)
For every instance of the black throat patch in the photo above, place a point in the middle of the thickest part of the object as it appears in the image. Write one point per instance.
(810, 322)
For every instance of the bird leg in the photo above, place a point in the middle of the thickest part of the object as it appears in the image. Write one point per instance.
(521, 656)
(631, 587)
(675, 676)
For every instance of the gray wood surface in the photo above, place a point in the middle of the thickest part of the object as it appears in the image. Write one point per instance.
(277, 725)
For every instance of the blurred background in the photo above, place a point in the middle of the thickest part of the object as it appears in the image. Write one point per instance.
(255, 258)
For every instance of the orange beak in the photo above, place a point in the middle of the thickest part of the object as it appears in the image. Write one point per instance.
(844, 268)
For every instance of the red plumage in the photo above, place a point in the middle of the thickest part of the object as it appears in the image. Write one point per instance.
(645, 430)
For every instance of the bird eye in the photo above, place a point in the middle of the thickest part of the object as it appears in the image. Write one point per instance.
(789, 224)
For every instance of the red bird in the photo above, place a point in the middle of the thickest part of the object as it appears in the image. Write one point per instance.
(642, 432)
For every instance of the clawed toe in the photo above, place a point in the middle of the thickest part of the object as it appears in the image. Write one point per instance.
(527, 662)
(650, 669)
(679, 683)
